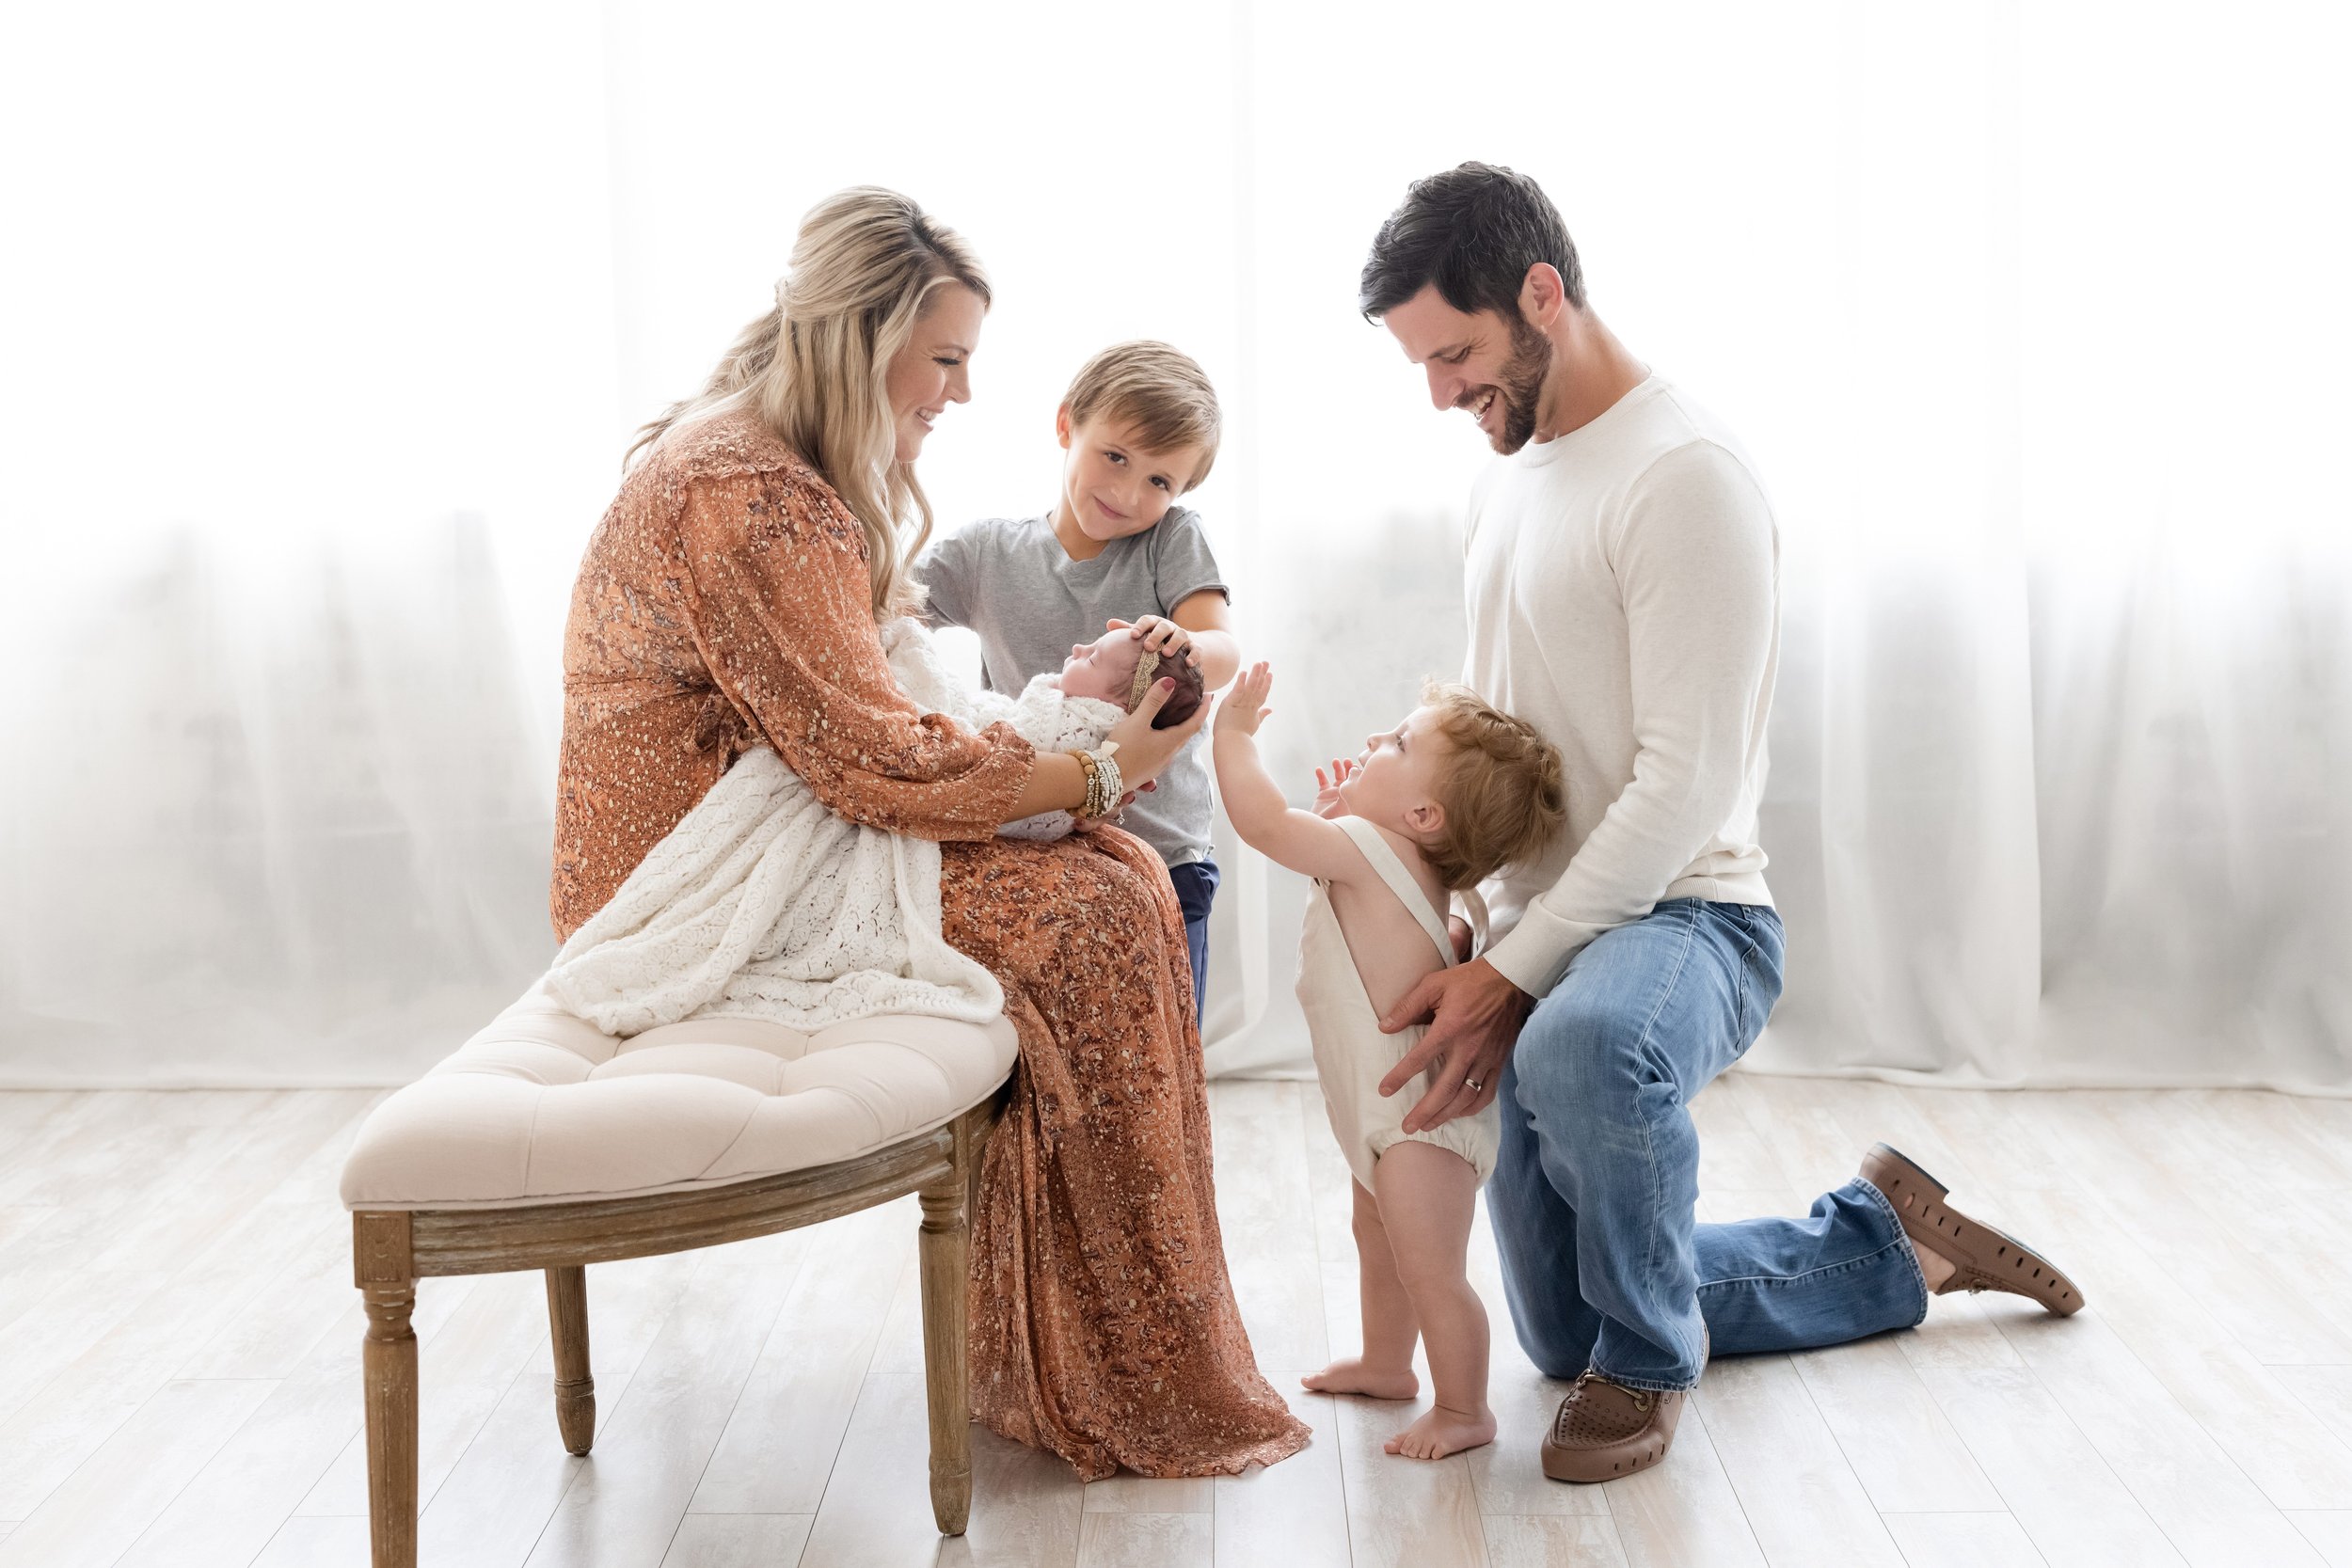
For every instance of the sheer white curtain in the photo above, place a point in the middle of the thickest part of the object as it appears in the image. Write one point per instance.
(2032, 315)
(2060, 751)
(310, 395)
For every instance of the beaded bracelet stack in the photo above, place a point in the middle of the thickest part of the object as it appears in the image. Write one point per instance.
(1104, 786)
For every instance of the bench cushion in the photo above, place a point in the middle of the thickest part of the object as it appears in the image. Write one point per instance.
(544, 1107)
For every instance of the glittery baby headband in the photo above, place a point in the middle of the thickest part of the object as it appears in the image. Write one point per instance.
(1146, 667)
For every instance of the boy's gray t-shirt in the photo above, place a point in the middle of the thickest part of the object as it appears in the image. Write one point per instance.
(1010, 580)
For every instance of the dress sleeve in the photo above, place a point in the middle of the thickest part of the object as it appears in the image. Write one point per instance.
(775, 581)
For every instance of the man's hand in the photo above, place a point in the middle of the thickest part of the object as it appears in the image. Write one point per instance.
(1244, 708)
(1328, 789)
(1474, 1016)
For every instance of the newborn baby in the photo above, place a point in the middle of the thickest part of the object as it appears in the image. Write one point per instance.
(1070, 711)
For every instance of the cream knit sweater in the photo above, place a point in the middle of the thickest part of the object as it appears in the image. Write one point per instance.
(1623, 590)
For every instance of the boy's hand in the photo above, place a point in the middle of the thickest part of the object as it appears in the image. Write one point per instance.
(1161, 636)
(1328, 789)
(1243, 708)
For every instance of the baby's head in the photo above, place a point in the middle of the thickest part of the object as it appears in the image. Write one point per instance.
(1141, 425)
(1476, 788)
(1114, 668)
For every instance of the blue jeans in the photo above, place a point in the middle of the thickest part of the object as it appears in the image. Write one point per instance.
(1196, 890)
(1593, 1192)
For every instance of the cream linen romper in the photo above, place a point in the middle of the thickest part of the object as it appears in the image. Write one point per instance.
(1352, 1055)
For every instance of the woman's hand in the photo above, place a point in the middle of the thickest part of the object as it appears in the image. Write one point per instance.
(1327, 790)
(1144, 753)
(1161, 636)
(1112, 818)
(1244, 708)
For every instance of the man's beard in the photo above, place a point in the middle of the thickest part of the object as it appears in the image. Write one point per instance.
(1522, 386)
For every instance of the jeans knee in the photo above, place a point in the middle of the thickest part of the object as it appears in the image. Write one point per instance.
(1580, 1063)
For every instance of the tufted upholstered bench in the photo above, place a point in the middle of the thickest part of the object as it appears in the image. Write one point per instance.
(544, 1143)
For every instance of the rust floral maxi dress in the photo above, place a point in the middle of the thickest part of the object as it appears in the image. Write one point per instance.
(725, 602)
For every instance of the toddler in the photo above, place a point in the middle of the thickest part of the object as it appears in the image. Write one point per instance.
(1452, 794)
(1139, 427)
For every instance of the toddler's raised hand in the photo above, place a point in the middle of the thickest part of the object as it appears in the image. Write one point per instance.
(1244, 708)
(1328, 789)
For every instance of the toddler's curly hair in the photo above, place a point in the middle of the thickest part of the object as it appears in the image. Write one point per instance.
(1502, 783)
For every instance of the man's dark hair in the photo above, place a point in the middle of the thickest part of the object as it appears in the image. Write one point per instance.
(1474, 231)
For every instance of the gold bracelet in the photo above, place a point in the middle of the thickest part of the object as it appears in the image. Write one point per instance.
(1102, 780)
(1100, 804)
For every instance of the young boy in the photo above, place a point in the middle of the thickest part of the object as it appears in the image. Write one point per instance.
(1140, 426)
(1452, 794)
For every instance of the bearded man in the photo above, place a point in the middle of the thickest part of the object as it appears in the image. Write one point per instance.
(1622, 572)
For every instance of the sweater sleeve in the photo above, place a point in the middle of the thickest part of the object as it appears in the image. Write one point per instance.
(1695, 565)
(776, 583)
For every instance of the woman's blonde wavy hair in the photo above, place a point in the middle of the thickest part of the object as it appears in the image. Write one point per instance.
(816, 368)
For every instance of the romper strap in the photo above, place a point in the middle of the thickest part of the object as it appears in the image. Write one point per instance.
(1384, 860)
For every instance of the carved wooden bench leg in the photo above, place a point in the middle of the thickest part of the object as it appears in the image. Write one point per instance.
(385, 1276)
(947, 1265)
(575, 1390)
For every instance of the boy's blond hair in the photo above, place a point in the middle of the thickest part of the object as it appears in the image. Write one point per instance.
(1157, 389)
(1501, 784)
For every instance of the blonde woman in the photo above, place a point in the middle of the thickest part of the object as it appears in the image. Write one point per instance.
(730, 598)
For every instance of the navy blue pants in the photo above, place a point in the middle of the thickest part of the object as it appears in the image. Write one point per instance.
(1196, 890)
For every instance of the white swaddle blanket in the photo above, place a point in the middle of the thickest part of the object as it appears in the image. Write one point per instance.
(762, 903)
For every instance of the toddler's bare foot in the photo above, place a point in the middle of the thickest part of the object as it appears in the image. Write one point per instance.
(1440, 1432)
(1352, 1376)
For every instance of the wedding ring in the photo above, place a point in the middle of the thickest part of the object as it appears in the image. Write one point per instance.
(1474, 1085)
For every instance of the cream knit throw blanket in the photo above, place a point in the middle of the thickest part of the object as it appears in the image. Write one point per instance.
(762, 903)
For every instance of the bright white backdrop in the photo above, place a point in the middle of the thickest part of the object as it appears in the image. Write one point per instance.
(325, 334)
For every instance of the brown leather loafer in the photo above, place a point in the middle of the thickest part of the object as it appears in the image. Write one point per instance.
(1605, 1429)
(1983, 1259)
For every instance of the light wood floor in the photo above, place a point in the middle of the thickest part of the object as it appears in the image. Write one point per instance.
(179, 1382)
